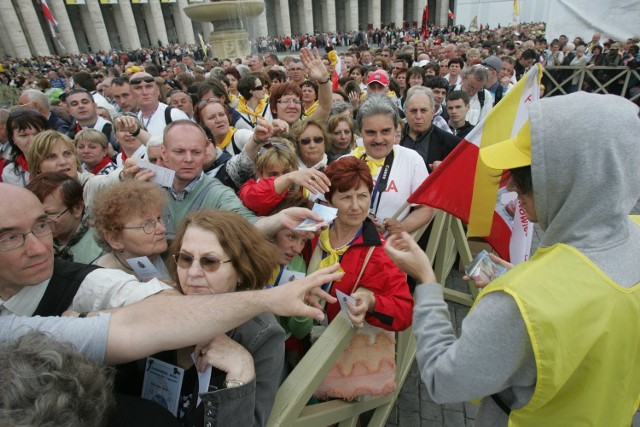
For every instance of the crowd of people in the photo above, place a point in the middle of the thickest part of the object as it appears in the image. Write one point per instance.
(168, 187)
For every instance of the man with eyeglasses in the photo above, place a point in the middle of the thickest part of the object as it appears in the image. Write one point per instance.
(480, 99)
(295, 71)
(155, 115)
(32, 283)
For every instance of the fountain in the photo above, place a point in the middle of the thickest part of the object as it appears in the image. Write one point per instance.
(229, 39)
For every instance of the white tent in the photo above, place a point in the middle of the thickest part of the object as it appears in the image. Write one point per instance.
(616, 19)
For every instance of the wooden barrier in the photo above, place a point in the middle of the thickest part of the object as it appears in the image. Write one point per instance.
(593, 77)
(446, 240)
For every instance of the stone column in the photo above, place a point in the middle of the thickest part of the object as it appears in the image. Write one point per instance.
(442, 13)
(376, 7)
(307, 17)
(97, 26)
(151, 27)
(64, 26)
(397, 12)
(278, 16)
(130, 34)
(261, 24)
(17, 43)
(207, 29)
(5, 42)
(418, 8)
(34, 29)
(158, 23)
(87, 24)
(330, 20)
(352, 10)
(285, 27)
(183, 21)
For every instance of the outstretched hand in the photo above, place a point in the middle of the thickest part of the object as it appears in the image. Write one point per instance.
(495, 258)
(314, 65)
(302, 297)
(411, 259)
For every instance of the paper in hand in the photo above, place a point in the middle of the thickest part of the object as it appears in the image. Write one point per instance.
(343, 299)
(327, 213)
(161, 176)
(144, 269)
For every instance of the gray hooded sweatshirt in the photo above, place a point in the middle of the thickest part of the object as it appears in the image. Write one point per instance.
(585, 152)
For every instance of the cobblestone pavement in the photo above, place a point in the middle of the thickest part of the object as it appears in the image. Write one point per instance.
(414, 406)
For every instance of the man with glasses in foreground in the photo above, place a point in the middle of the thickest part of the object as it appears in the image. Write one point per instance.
(480, 99)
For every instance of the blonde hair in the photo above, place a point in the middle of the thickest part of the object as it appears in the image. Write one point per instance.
(275, 152)
(41, 146)
(301, 125)
(91, 135)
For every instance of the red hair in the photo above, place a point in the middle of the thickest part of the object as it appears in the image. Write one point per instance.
(282, 89)
(348, 173)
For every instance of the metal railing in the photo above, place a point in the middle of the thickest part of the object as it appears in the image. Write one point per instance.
(605, 80)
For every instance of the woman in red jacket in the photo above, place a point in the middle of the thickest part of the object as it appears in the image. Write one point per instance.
(382, 295)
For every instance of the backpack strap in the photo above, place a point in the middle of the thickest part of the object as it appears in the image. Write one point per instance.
(481, 98)
(63, 286)
(167, 115)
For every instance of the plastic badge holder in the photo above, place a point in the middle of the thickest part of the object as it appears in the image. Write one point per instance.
(483, 269)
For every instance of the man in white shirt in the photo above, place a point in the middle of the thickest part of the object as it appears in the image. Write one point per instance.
(480, 99)
(152, 113)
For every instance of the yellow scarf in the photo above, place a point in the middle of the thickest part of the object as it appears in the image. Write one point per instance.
(374, 165)
(333, 255)
(308, 112)
(254, 114)
(227, 138)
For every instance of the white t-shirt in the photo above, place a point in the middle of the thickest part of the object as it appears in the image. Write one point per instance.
(156, 123)
(408, 171)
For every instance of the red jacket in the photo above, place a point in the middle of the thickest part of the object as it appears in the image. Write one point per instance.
(260, 196)
(394, 304)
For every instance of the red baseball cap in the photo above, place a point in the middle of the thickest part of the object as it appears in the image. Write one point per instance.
(380, 76)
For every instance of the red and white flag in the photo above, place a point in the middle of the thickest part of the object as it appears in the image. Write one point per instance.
(53, 24)
(425, 23)
(451, 15)
(467, 189)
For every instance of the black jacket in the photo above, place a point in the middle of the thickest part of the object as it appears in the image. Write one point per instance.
(433, 144)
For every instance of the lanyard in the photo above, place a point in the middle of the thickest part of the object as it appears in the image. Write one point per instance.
(381, 182)
(146, 125)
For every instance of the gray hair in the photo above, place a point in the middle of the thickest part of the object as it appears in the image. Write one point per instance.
(243, 70)
(421, 89)
(377, 104)
(581, 48)
(339, 107)
(46, 382)
(37, 97)
(478, 72)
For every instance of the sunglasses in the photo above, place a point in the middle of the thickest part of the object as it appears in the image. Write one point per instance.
(139, 80)
(258, 88)
(307, 141)
(209, 264)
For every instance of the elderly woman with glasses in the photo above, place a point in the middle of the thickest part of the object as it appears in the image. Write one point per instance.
(218, 252)
(61, 196)
(276, 174)
(287, 98)
(129, 223)
(22, 126)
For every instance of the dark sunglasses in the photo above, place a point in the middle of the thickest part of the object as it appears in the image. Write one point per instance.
(258, 88)
(139, 80)
(209, 264)
(307, 141)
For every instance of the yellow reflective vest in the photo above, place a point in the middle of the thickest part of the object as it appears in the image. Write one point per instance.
(585, 336)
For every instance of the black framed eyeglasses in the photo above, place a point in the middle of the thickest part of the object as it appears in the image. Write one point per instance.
(56, 217)
(139, 80)
(209, 264)
(12, 240)
(150, 226)
(315, 139)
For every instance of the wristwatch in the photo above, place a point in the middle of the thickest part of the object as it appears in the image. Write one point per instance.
(233, 383)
